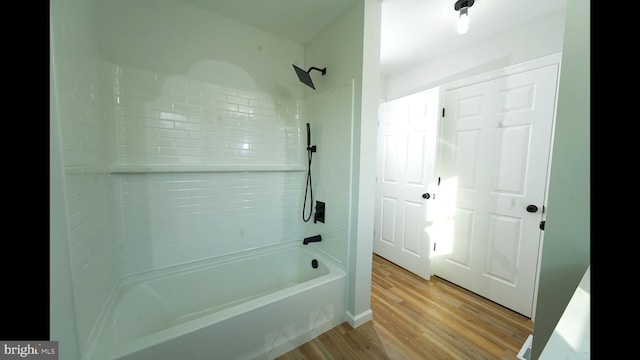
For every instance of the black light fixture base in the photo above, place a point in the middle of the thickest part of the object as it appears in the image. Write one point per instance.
(463, 4)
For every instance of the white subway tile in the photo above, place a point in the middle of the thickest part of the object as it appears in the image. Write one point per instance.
(187, 109)
(237, 100)
(226, 106)
(197, 134)
(247, 109)
(198, 101)
(188, 143)
(131, 140)
(167, 115)
(171, 98)
(213, 113)
(185, 90)
(160, 142)
(174, 134)
(157, 123)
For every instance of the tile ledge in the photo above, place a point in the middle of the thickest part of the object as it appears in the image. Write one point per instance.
(138, 169)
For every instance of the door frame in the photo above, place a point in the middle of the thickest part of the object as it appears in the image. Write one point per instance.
(544, 61)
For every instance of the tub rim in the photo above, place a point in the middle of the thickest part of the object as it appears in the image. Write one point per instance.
(146, 275)
(336, 270)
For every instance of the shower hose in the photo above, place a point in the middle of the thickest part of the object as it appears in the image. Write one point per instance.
(308, 189)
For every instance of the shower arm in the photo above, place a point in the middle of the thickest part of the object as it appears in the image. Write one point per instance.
(323, 71)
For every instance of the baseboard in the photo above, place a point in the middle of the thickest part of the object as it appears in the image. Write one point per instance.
(360, 319)
(525, 350)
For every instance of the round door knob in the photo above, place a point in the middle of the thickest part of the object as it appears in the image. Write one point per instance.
(426, 196)
(532, 208)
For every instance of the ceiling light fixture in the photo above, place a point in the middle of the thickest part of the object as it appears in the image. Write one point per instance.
(463, 18)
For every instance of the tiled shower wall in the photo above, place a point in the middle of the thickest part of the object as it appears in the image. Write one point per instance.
(171, 218)
(330, 113)
(168, 216)
(173, 119)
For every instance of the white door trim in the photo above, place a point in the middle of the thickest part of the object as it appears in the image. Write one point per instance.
(508, 70)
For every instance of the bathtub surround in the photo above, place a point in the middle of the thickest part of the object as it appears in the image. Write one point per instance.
(331, 116)
(200, 169)
(164, 120)
(181, 138)
(173, 218)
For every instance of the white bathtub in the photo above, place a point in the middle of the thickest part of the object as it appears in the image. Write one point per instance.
(255, 305)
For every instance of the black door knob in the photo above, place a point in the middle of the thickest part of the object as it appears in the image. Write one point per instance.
(426, 196)
(532, 208)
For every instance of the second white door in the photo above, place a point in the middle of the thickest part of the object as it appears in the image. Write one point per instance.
(494, 157)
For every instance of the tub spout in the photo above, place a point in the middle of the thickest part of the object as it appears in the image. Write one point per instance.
(311, 239)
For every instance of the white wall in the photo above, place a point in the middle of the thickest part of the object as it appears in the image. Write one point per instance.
(84, 231)
(365, 150)
(530, 41)
(566, 253)
(174, 38)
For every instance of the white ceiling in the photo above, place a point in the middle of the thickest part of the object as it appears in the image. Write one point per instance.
(296, 20)
(413, 31)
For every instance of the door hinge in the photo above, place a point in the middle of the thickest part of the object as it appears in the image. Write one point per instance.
(438, 180)
(442, 112)
(434, 247)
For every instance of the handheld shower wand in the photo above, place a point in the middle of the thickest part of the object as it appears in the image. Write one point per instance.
(310, 150)
(309, 146)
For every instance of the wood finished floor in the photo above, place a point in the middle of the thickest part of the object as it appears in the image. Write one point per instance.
(418, 319)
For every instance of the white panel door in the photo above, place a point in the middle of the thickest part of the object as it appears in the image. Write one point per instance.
(406, 168)
(494, 154)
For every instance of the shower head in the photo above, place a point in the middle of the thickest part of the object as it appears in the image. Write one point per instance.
(305, 77)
